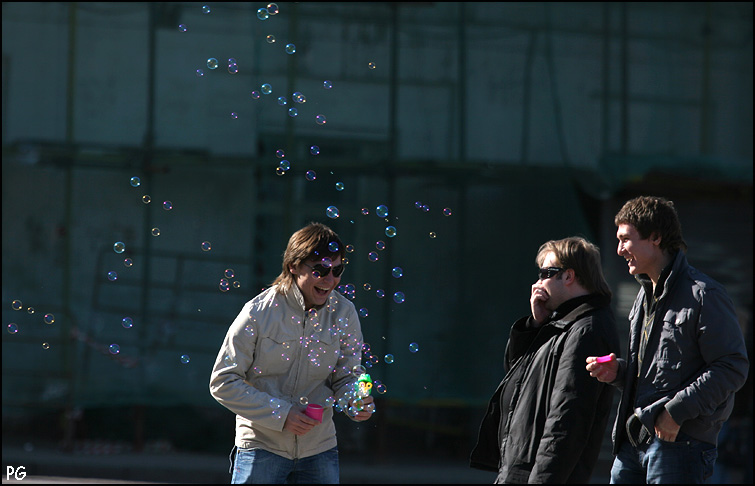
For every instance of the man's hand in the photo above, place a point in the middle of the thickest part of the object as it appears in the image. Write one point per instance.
(665, 427)
(538, 298)
(298, 423)
(363, 414)
(604, 372)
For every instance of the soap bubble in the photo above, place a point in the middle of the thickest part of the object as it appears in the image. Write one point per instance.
(284, 164)
(112, 276)
(373, 256)
(314, 150)
(388, 358)
(155, 231)
(280, 171)
(234, 115)
(349, 248)
(364, 312)
(185, 359)
(397, 272)
(292, 112)
(332, 212)
(320, 119)
(447, 212)
(224, 285)
(339, 186)
(255, 94)
(382, 211)
(114, 349)
(49, 318)
(299, 98)
(266, 88)
(327, 84)
(17, 305)
(128, 262)
(212, 63)
(206, 246)
(311, 175)
(380, 293)
(229, 273)
(414, 347)
(182, 27)
(30, 310)
(381, 388)
(280, 153)
(45, 345)
(119, 247)
(433, 234)
(371, 65)
(270, 39)
(282, 100)
(206, 9)
(12, 328)
(398, 297)
(135, 181)
(290, 48)
(391, 231)
(365, 211)
(304, 401)
(146, 199)
(127, 322)
(263, 13)
(333, 246)
(167, 205)
(200, 73)
(272, 8)
(380, 245)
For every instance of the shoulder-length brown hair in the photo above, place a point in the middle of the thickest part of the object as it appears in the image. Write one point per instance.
(583, 257)
(314, 241)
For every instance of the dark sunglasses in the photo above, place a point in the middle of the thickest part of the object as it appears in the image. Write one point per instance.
(322, 271)
(545, 273)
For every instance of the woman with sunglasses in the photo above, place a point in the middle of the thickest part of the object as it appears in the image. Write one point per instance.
(297, 343)
(546, 421)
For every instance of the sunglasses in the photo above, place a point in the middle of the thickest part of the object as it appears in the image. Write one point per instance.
(322, 271)
(545, 273)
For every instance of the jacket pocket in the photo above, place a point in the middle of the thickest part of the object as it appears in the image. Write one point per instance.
(668, 361)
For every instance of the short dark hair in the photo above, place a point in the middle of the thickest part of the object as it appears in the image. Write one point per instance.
(653, 215)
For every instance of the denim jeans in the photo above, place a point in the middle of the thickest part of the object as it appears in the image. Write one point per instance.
(258, 466)
(687, 461)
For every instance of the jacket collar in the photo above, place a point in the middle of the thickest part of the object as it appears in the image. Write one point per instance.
(573, 309)
(678, 264)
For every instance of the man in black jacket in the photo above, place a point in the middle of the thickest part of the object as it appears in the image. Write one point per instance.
(547, 419)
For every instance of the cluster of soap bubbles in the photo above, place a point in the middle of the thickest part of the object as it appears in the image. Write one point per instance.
(227, 281)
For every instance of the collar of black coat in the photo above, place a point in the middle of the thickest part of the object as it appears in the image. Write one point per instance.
(573, 309)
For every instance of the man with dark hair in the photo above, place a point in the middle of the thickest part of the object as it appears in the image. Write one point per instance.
(547, 419)
(686, 358)
(287, 350)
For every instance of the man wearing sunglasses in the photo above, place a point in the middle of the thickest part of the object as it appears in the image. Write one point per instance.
(686, 359)
(298, 343)
(547, 419)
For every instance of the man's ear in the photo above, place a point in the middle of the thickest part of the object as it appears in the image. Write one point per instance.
(655, 239)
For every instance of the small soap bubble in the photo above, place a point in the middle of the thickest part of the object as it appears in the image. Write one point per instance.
(380, 245)
(373, 256)
(135, 181)
(49, 318)
(290, 48)
(284, 164)
(12, 328)
(371, 65)
(381, 388)
(146, 199)
(349, 248)
(266, 89)
(304, 401)
(391, 231)
(367, 287)
(433, 234)
(314, 150)
(30, 310)
(332, 212)
(311, 175)
(182, 27)
(212, 63)
(399, 297)
(365, 211)
(236, 284)
(206, 9)
(413, 347)
(224, 285)
(333, 246)
(17, 305)
(339, 186)
(272, 8)
(233, 68)
(228, 361)
(200, 73)
(229, 273)
(280, 153)
(358, 370)
(364, 312)
(255, 94)
(388, 358)
(114, 349)
(382, 211)
(299, 98)
(263, 13)
(327, 84)
(292, 112)
(280, 171)
(282, 100)
(270, 39)
(112, 276)
(155, 231)
(234, 115)
(167, 205)
(185, 359)
(119, 247)
(447, 212)
(397, 272)
(320, 119)
(45, 345)
(127, 322)
(128, 262)
(380, 293)
(206, 246)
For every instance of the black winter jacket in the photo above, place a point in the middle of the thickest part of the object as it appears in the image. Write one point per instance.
(558, 413)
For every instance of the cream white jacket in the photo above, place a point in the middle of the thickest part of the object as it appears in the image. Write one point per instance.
(276, 357)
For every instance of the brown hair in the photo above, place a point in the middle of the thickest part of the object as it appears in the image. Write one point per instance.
(314, 241)
(581, 256)
(653, 215)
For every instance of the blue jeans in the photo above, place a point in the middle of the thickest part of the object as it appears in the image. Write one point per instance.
(258, 466)
(685, 461)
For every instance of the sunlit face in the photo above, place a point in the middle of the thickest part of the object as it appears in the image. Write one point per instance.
(315, 288)
(642, 255)
(553, 286)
